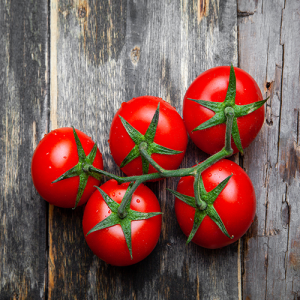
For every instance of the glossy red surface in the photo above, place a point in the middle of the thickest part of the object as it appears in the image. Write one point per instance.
(170, 133)
(235, 205)
(55, 154)
(109, 244)
(212, 86)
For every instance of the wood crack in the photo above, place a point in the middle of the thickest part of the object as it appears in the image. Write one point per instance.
(280, 109)
(298, 124)
(243, 14)
(288, 235)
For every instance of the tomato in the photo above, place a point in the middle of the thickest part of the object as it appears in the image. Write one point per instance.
(212, 86)
(170, 135)
(235, 205)
(109, 244)
(55, 154)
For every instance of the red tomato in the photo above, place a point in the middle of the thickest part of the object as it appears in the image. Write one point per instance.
(55, 154)
(212, 86)
(170, 133)
(235, 205)
(109, 244)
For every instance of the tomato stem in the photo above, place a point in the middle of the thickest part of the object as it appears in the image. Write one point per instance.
(202, 205)
(122, 210)
(121, 179)
(229, 113)
(143, 150)
(193, 171)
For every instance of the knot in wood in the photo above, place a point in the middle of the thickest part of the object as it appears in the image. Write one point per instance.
(135, 55)
(81, 12)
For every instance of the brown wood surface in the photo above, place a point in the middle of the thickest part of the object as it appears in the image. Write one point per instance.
(102, 53)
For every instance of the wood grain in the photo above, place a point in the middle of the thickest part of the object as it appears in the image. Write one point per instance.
(268, 39)
(23, 121)
(108, 53)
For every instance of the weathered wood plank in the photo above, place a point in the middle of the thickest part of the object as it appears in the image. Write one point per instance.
(23, 121)
(106, 53)
(268, 39)
(289, 154)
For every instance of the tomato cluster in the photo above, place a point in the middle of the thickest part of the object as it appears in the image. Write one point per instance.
(215, 200)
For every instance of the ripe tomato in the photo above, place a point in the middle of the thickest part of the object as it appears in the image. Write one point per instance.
(212, 86)
(170, 135)
(235, 205)
(55, 154)
(109, 244)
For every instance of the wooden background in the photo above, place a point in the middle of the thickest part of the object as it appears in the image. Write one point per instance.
(73, 62)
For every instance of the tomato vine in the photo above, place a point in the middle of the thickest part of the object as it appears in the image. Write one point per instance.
(202, 201)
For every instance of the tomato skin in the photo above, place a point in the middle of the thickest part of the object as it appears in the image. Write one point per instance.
(55, 154)
(236, 205)
(109, 244)
(212, 86)
(170, 133)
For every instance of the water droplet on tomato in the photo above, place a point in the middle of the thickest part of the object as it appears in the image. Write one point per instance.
(65, 157)
(220, 169)
(50, 167)
(109, 211)
(113, 194)
(119, 194)
(138, 200)
(47, 153)
(209, 174)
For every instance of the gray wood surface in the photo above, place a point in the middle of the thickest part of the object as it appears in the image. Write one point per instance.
(268, 49)
(23, 121)
(104, 53)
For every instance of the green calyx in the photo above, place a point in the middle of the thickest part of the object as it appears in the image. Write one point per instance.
(80, 168)
(219, 109)
(203, 204)
(147, 138)
(124, 219)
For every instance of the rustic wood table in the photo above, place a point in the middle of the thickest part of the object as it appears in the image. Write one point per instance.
(73, 62)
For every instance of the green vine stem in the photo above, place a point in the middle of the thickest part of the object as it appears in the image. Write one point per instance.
(193, 171)
(225, 112)
(202, 205)
(127, 198)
